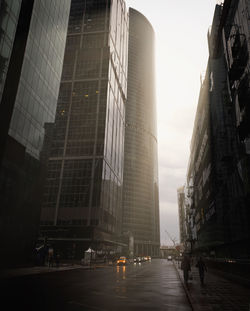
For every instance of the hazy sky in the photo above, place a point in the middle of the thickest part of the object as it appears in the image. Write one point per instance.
(181, 55)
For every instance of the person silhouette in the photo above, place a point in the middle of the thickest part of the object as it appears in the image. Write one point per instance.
(202, 268)
(186, 267)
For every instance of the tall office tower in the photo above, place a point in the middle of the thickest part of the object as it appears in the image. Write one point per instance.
(140, 192)
(33, 36)
(82, 198)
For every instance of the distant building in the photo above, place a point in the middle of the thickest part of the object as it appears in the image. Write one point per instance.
(33, 35)
(140, 186)
(82, 203)
(166, 250)
(182, 214)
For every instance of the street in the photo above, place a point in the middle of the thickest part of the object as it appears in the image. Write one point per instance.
(151, 285)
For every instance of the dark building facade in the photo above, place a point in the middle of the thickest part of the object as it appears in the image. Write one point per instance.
(33, 35)
(235, 47)
(202, 225)
(140, 188)
(82, 198)
(221, 222)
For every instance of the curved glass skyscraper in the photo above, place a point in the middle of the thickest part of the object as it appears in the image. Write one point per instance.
(140, 192)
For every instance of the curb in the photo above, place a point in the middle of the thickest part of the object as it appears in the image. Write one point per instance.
(193, 302)
(36, 270)
(189, 297)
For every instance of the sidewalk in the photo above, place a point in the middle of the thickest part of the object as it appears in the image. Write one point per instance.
(217, 294)
(8, 273)
(16, 272)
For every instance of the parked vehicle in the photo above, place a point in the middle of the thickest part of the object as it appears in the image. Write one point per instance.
(169, 257)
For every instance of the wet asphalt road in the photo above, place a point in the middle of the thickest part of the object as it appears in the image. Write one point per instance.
(148, 286)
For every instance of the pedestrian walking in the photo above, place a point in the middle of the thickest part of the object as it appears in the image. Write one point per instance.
(57, 260)
(50, 257)
(186, 267)
(202, 268)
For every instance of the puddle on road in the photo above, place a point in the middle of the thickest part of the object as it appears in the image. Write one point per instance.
(121, 270)
(121, 290)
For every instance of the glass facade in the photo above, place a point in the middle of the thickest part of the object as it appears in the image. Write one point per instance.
(140, 194)
(9, 12)
(85, 165)
(40, 76)
(38, 50)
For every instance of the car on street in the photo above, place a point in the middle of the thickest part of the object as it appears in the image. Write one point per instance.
(169, 257)
(122, 261)
(138, 259)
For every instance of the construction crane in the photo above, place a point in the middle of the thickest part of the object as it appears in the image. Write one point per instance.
(172, 239)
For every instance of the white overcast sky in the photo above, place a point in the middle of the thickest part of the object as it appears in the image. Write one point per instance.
(181, 55)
